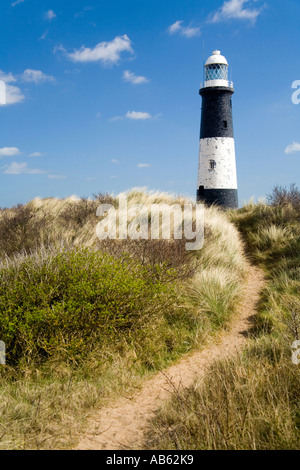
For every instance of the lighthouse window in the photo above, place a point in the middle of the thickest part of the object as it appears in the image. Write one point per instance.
(216, 72)
(212, 164)
(200, 192)
(225, 124)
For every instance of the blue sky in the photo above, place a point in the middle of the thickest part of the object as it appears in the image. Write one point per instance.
(103, 95)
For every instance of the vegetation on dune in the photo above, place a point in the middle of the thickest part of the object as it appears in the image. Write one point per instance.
(248, 403)
(86, 320)
(66, 302)
(251, 401)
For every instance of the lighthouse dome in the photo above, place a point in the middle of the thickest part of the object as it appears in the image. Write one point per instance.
(216, 58)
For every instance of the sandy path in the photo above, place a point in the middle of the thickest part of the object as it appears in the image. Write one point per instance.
(122, 425)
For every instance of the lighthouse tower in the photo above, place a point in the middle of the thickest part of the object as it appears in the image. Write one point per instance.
(217, 181)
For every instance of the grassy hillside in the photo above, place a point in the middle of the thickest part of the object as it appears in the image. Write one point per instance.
(85, 321)
(252, 401)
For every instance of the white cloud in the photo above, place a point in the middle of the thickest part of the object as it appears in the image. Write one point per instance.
(20, 169)
(114, 160)
(59, 48)
(190, 32)
(143, 165)
(44, 35)
(175, 27)
(137, 115)
(36, 76)
(187, 31)
(134, 79)
(105, 52)
(234, 9)
(17, 2)
(13, 94)
(2, 93)
(7, 77)
(9, 152)
(50, 15)
(116, 118)
(292, 148)
(36, 154)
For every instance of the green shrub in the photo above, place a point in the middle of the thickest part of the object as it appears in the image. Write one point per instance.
(66, 302)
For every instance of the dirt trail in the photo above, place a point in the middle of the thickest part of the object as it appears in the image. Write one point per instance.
(122, 425)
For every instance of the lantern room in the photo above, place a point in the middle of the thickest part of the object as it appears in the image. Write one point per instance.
(216, 71)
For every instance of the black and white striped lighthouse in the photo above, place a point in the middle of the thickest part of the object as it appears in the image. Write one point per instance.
(217, 180)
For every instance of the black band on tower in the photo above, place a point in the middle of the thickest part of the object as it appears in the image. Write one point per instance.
(226, 198)
(216, 118)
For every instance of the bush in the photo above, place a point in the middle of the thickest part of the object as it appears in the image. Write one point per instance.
(20, 230)
(77, 213)
(104, 198)
(66, 302)
(170, 254)
(281, 196)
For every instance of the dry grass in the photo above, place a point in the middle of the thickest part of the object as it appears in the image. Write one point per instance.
(243, 404)
(44, 405)
(252, 401)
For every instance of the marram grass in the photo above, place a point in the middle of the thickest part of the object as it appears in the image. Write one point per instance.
(250, 402)
(86, 321)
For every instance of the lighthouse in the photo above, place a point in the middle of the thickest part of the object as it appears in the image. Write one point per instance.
(217, 179)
